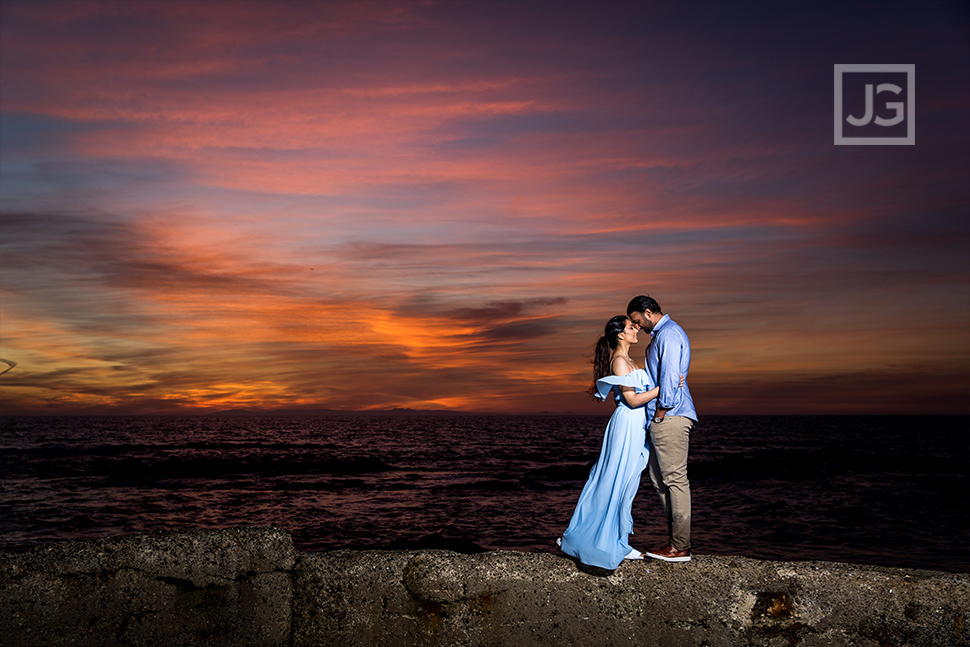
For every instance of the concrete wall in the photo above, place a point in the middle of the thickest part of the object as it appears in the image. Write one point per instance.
(249, 586)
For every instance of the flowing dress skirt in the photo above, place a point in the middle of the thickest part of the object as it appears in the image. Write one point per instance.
(598, 531)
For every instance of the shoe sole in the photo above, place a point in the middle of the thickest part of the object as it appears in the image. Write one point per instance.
(669, 559)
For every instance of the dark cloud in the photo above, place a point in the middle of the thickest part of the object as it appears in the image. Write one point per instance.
(507, 310)
(100, 250)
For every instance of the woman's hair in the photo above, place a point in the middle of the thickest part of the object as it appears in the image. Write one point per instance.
(604, 348)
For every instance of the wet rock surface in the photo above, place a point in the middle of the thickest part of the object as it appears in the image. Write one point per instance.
(250, 587)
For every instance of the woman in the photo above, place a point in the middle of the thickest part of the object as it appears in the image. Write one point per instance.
(597, 533)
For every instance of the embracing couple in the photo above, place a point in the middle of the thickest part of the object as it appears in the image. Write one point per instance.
(650, 428)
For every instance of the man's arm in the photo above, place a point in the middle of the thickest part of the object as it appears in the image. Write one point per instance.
(669, 379)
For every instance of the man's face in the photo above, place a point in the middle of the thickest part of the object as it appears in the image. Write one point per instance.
(643, 320)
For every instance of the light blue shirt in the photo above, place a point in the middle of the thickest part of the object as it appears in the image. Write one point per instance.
(668, 357)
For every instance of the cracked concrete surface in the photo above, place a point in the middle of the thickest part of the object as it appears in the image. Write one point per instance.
(248, 586)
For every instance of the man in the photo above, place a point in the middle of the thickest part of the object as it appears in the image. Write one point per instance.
(672, 417)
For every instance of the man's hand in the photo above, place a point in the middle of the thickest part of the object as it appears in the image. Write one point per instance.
(659, 415)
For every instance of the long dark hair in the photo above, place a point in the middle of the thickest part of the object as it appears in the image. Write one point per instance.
(604, 349)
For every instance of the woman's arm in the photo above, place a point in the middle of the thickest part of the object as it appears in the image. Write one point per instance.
(635, 399)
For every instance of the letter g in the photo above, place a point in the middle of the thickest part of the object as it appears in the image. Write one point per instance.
(895, 105)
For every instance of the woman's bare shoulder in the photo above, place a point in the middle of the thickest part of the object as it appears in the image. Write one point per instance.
(622, 366)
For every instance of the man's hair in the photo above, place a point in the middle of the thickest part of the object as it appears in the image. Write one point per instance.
(643, 303)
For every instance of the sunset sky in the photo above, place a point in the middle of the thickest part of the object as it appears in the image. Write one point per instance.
(437, 205)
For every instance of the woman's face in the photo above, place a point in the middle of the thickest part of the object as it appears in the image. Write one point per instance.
(629, 334)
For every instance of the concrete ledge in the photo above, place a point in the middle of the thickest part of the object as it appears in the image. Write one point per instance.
(250, 587)
(506, 598)
(227, 587)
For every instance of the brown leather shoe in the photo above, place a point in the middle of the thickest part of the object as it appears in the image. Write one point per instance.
(668, 554)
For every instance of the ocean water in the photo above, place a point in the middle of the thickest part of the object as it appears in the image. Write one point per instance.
(870, 490)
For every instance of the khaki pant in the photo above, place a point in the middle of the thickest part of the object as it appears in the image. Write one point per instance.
(669, 440)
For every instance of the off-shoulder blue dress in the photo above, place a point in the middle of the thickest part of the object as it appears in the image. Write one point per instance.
(598, 530)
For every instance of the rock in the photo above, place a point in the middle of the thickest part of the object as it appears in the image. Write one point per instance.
(438, 541)
(249, 587)
(349, 597)
(224, 587)
(504, 598)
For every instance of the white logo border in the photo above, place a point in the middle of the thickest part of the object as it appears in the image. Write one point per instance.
(910, 71)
